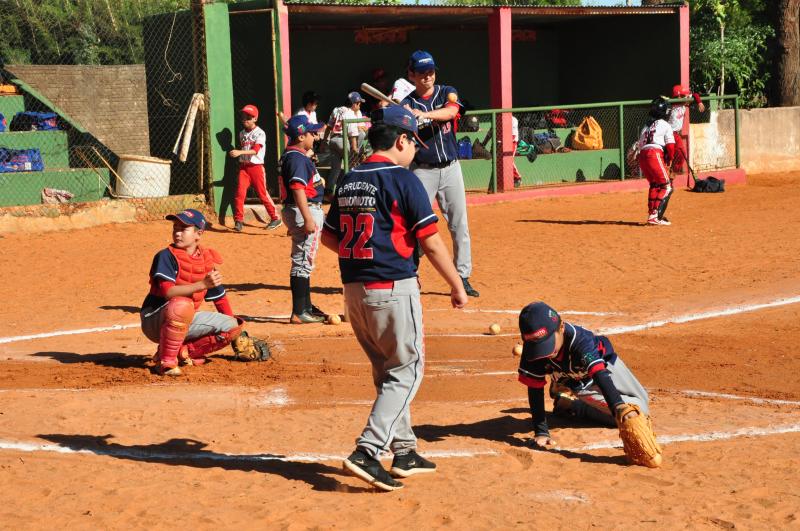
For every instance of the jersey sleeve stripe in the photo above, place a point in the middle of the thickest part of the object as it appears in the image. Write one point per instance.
(423, 220)
(165, 277)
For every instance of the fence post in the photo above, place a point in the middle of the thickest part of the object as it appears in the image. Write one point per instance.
(621, 142)
(736, 128)
(493, 178)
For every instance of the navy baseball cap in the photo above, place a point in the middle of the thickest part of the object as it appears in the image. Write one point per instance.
(538, 323)
(421, 61)
(400, 117)
(355, 97)
(299, 124)
(190, 217)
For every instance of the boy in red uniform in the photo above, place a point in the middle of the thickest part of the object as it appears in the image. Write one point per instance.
(252, 140)
(182, 276)
(676, 118)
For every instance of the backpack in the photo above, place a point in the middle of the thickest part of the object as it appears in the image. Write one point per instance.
(465, 148)
(710, 185)
(2, 123)
(546, 142)
(14, 160)
(34, 121)
(479, 151)
(588, 135)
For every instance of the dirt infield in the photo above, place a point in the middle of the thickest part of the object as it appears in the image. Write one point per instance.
(706, 313)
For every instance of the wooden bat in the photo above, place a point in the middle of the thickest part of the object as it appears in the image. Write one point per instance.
(377, 94)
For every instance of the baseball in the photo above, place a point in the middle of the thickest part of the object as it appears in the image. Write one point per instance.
(334, 319)
(494, 329)
(517, 350)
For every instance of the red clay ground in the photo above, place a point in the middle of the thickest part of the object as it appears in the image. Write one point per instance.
(260, 445)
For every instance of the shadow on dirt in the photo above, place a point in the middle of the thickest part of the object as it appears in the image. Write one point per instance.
(192, 453)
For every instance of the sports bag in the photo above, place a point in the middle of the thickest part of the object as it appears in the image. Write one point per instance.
(709, 185)
(465, 148)
(557, 118)
(2, 123)
(34, 121)
(546, 143)
(14, 160)
(588, 135)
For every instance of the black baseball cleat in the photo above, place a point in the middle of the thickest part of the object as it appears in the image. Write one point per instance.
(370, 470)
(472, 292)
(238, 226)
(316, 312)
(411, 463)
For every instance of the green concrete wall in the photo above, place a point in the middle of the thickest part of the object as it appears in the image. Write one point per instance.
(26, 188)
(11, 105)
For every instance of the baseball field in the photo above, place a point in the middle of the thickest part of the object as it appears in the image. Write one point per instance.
(705, 312)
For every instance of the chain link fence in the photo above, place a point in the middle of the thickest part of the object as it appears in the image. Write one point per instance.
(94, 96)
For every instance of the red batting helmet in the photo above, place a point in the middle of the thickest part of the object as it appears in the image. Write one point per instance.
(251, 110)
(680, 91)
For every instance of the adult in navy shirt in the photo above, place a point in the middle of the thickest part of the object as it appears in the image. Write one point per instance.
(436, 164)
(379, 214)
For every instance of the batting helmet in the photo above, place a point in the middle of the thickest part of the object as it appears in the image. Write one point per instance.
(659, 109)
(679, 91)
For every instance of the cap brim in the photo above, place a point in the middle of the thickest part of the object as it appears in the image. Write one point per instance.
(313, 128)
(540, 349)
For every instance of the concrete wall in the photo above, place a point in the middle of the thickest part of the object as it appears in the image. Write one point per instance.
(110, 101)
(769, 140)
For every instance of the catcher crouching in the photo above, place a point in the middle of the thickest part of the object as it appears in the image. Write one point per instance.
(182, 276)
(588, 381)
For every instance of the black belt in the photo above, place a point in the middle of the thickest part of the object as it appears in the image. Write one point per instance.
(434, 166)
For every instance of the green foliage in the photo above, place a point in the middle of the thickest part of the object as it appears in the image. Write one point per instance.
(730, 37)
(77, 31)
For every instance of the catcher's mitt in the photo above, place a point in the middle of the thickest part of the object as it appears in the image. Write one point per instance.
(638, 437)
(249, 348)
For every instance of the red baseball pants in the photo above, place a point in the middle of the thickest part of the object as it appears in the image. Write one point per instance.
(252, 174)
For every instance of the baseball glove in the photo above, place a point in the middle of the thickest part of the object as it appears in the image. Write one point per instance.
(249, 348)
(637, 437)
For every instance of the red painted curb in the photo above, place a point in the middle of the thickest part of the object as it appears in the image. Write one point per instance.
(732, 176)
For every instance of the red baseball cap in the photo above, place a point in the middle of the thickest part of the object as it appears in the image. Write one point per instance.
(251, 110)
(680, 90)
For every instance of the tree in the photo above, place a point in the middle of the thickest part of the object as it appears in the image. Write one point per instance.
(787, 60)
(728, 48)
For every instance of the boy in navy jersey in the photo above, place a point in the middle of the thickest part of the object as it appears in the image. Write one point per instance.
(302, 189)
(379, 213)
(587, 378)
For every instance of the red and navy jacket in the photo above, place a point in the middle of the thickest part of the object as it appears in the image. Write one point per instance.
(440, 137)
(299, 173)
(379, 213)
(582, 355)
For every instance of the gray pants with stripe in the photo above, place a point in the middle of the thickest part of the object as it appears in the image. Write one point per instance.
(592, 405)
(388, 325)
(447, 186)
(304, 246)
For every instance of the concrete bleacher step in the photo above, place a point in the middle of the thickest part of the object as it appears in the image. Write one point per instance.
(51, 144)
(25, 188)
(11, 105)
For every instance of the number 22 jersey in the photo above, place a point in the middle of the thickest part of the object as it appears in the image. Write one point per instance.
(379, 212)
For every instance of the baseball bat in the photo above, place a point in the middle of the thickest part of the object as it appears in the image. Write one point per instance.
(377, 94)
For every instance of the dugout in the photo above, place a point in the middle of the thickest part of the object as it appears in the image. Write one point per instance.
(269, 52)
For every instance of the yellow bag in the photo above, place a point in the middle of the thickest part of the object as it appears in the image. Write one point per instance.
(588, 135)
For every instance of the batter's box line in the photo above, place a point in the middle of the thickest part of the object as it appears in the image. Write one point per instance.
(727, 396)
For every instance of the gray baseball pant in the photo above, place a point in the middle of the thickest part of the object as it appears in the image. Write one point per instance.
(447, 185)
(591, 403)
(304, 246)
(203, 324)
(388, 325)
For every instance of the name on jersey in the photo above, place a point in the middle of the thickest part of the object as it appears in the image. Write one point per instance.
(356, 201)
(358, 186)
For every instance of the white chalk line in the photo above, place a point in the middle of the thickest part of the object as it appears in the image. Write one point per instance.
(699, 437)
(606, 331)
(516, 312)
(699, 316)
(216, 456)
(727, 396)
(13, 339)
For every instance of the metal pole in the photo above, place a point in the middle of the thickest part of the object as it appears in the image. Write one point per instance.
(493, 177)
(621, 142)
(736, 127)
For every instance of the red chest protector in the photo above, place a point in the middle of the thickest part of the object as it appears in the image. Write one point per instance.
(193, 269)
